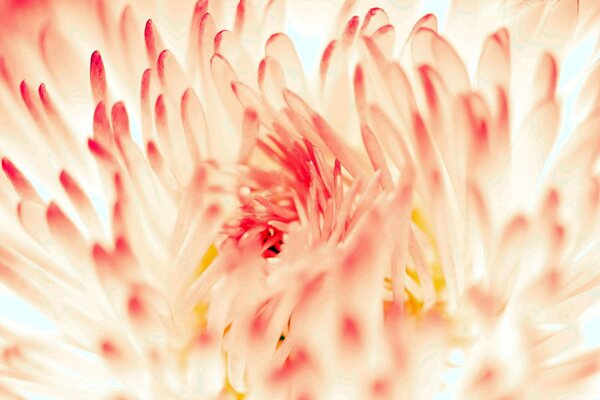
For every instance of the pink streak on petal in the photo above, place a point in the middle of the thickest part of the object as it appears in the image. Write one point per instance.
(374, 19)
(153, 42)
(119, 119)
(97, 77)
(20, 183)
(102, 129)
(249, 134)
(350, 30)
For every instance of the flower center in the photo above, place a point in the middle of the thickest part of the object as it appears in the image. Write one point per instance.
(272, 239)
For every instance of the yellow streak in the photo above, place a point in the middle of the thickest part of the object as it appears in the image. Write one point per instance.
(413, 305)
(207, 259)
(231, 391)
(418, 218)
(201, 311)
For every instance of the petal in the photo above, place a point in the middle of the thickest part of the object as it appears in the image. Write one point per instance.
(281, 48)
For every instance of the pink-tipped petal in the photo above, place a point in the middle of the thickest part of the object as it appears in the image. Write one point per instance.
(20, 183)
(97, 77)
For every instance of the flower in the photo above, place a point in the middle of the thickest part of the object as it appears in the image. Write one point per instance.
(201, 219)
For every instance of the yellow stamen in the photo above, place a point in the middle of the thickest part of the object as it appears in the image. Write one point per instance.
(208, 257)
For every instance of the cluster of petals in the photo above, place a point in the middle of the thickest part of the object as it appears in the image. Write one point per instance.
(201, 216)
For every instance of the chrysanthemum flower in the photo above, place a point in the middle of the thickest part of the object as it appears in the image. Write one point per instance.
(201, 217)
